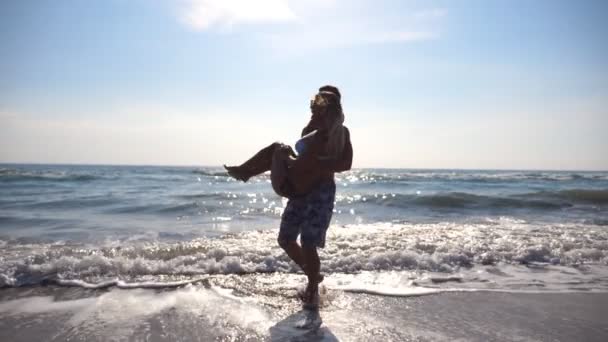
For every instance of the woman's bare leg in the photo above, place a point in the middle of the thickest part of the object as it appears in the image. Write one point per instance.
(259, 163)
(279, 170)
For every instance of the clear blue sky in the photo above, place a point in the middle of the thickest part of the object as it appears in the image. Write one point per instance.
(426, 84)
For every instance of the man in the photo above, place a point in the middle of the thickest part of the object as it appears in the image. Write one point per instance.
(309, 215)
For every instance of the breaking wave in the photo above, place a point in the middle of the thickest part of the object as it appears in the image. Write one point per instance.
(445, 248)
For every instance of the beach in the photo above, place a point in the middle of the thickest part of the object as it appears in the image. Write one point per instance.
(192, 313)
(443, 163)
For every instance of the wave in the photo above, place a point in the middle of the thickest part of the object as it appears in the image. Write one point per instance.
(364, 176)
(343, 285)
(545, 200)
(211, 173)
(445, 248)
(580, 195)
(72, 203)
(161, 209)
(121, 284)
(15, 175)
(205, 195)
(466, 200)
(188, 203)
(374, 176)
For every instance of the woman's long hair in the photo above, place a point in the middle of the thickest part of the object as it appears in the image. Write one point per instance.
(336, 134)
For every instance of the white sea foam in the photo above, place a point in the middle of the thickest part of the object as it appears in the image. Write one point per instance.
(125, 285)
(118, 313)
(446, 248)
(43, 304)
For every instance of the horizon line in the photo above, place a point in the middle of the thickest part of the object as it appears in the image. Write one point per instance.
(355, 168)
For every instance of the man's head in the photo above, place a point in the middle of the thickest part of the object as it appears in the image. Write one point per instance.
(331, 89)
(325, 107)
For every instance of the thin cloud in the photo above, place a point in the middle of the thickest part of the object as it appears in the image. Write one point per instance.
(313, 24)
(206, 14)
(318, 39)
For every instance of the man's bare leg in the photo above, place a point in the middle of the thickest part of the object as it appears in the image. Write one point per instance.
(297, 254)
(313, 266)
(294, 251)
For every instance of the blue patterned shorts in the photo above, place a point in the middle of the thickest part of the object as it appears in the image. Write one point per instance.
(308, 216)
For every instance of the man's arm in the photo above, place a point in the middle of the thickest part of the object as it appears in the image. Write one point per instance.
(345, 161)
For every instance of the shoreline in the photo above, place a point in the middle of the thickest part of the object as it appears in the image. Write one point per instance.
(197, 313)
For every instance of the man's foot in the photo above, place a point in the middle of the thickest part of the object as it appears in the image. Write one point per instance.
(237, 172)
(311, 297)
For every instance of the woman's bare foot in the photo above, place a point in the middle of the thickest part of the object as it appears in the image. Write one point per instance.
(237, 172)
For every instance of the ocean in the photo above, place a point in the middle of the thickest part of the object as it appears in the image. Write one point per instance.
(78, 237)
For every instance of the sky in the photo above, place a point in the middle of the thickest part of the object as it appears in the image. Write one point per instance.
(425, 84)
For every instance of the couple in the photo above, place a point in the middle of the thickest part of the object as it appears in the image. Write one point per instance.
(306, 178)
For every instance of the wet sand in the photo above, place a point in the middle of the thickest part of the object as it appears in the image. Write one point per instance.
(197, 313)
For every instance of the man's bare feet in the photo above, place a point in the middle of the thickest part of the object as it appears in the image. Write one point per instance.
(237, 172)
(310, 296)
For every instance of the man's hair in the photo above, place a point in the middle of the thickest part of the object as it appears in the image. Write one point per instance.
(332, 94)
(331, 89)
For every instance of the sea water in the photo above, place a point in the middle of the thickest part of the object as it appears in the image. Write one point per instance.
(85, 223)
(394, 232)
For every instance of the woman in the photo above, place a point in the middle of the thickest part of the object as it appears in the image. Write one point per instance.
(307, 179)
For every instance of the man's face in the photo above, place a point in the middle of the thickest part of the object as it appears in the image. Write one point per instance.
(318, 108)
